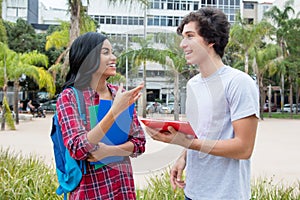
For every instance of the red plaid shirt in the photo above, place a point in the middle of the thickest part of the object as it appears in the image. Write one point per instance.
(114, 181)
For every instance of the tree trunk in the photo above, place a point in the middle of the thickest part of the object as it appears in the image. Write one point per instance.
(282, 75)
(144, 95)
(74, 32)
(270, 97)
(291, 96)
(4, 94)
(16, 100)
(282, 92)
(262, 95)
(176, 91)
(246, 62)
(3, 111)
(297, 96)
(75, 19)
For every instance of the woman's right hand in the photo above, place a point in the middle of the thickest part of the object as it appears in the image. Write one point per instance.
(124, 99)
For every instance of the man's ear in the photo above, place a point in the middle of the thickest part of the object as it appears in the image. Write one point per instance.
(211, 44)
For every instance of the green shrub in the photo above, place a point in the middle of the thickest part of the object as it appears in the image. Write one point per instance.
(29, 178)
(159, 187)
(262, 189)
(26, 178)
(265, 189)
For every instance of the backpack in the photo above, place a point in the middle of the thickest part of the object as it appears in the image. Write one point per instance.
(68, 170)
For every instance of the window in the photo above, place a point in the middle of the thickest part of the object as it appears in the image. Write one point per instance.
(156, 4)
(265, 8)
(250, 20)
(102, 19)
(125, 20)
(249, 6)
(177, 21)
(140, 74)
(226, 10)
(107, 20)
(130, 21)
(150, 21)
(119, 20)
(163, 21)
(113, 20)
(196, 5)
(177, 5)
(156, 20)
(141, 21)
(170, 21)
(96, 18)
(212, 2)
(188, 5)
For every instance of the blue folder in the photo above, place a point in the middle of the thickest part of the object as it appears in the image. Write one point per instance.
(118, 132)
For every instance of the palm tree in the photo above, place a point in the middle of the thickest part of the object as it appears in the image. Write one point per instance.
(140, 57)
(264, 60)
(280, 18)
(177, 64)
(61, 39)
(5, 56)
(28, 64)
(18, 64)
(293, 60)
(172, 56)
(79, 24)
(247, 36)
(117, 79)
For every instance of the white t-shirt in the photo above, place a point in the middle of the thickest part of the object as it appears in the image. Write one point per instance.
(213, 103)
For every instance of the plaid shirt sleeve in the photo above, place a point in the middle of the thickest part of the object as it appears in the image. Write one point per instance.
(137, 137)
(136, 134)
(73, 129)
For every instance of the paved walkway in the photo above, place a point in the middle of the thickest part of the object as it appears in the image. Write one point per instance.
(276, 153)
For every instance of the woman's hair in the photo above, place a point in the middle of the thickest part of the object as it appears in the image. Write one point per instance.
(84, 58)
(212, 25)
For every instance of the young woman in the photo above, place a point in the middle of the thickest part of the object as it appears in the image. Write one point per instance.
(92, 62)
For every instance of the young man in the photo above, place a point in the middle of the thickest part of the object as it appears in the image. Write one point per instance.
(222, 106)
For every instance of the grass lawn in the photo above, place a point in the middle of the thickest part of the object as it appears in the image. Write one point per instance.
(279, 115)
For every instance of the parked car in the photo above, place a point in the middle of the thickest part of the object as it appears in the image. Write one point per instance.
(287, 108)
(49, 105)
(167, 109)
(153, 107)
(273, 107)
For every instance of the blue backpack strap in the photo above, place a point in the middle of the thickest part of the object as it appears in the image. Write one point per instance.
(80, 104)
(82, 113)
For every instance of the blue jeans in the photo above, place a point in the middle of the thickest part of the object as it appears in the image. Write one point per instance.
(186, 198)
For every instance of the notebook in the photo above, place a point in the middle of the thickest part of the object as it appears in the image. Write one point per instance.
(118, 132)
(162, 126)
